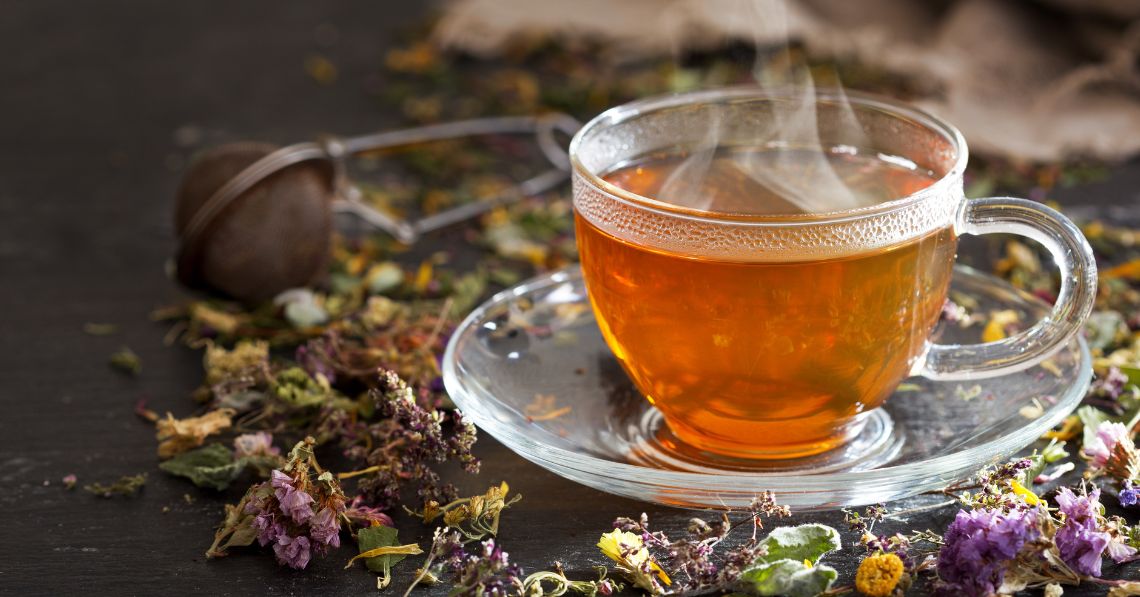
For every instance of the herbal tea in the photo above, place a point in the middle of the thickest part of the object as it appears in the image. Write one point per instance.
(762, 357)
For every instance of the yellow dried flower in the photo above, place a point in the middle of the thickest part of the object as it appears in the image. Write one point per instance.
(1026, 494)
(628, 550)
(999, 321)
(879, 574)
(176, 436)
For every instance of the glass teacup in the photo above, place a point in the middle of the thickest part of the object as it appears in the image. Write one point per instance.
(768, 267)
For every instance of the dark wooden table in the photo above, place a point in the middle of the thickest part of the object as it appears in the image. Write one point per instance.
(99, 105)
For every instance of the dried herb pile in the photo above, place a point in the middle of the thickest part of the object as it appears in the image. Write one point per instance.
(350, 370)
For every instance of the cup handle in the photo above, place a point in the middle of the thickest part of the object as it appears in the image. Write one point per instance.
(1075, 300)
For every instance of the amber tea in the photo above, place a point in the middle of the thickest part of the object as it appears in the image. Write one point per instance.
(759, 354)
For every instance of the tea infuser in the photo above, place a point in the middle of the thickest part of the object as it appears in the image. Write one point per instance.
(254, 220)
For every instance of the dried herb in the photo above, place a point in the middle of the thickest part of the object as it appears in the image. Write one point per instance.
(126, 486)
(100, 329)
(306, 364)
(380, 551)
(216, 466)
(299, 512)
(127, 361)
(476, 516)
(179, 435)
(405, 444)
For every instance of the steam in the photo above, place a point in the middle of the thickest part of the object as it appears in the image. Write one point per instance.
(789, 170)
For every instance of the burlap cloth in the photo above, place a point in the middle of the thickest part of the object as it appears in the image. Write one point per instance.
(1036, 81)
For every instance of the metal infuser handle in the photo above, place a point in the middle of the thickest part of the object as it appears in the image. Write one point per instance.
(335, 150)
(543, 127)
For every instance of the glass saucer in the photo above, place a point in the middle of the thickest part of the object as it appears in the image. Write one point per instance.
(530, 368)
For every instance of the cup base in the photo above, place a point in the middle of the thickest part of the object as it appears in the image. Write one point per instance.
(865, 443)
(684, 434)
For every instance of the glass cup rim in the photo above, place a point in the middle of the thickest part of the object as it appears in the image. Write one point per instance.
(942, 187)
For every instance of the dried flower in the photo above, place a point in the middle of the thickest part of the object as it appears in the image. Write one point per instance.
(1103, 444)
(292, 551)
(476, 516)
(324, 528)
(247, 358)
(127, 361)
(1080, 542)
(408, 441)
(486, 572)
(294, 502)
(863, 523)
(179, 435)
(979, 544)
(1111, 385)
(633, 559)
(359, 513)
(255, 444)
(298, 512)
(879, 574)
(1129, 495)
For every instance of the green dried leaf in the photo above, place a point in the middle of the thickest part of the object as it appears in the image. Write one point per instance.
(127, 361)
(804, 542)
(467, 290)
(791, 578)
(378, 536)
(209, 466)
(1104, 329)
(237, 530)
(1091, 417)
(1133, 374)
(382, 539)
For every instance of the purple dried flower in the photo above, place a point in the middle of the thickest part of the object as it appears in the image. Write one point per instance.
(487, 573)
(1129, 495)
(313, 358)
(953, 312)
(1119, 550)
(280, 480)
(360, 513)
(255, 444)
(296, 504)
(978, 545)
(1110, 386)
(281, 511)
(292, 551)
(409, 441)
(324, 528)
(1100, 449)
(268, 529)
(1080, 542)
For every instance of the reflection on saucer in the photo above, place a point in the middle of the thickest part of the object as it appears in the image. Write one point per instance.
(530, 368)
